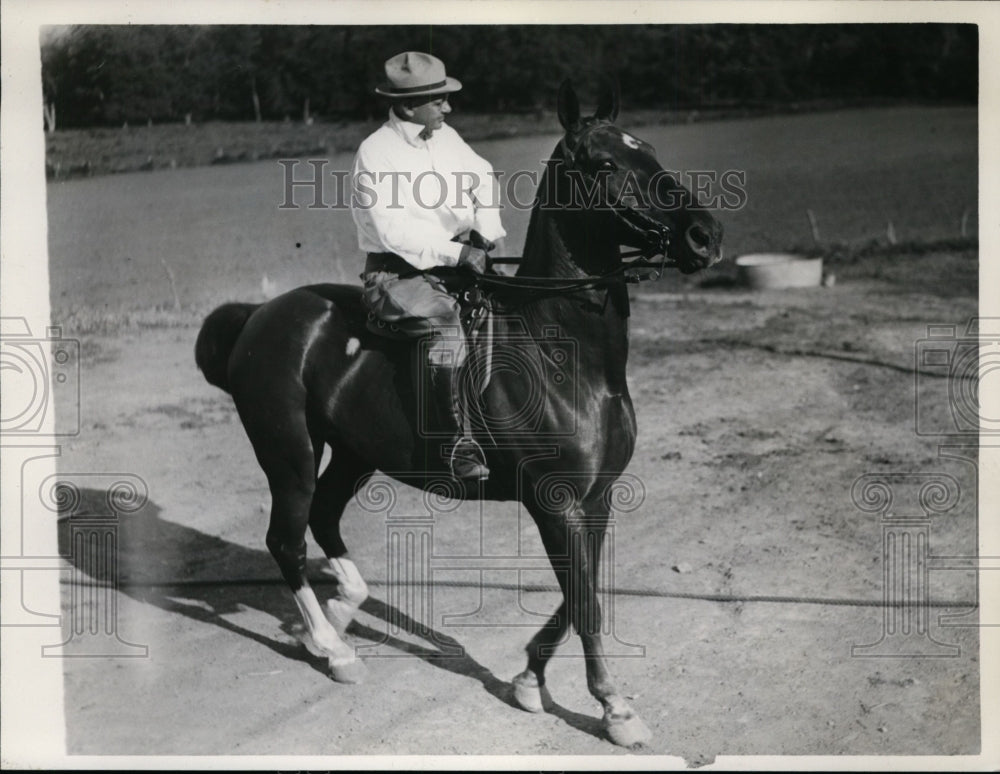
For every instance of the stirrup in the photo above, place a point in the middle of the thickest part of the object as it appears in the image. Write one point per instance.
(467, 461)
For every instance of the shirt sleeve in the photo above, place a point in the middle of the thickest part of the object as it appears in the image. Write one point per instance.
(486, 194)
(422, 243)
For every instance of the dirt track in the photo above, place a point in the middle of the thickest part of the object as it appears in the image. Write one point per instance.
(756, 416)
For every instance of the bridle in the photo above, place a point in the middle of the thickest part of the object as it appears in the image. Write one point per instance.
(654, 234)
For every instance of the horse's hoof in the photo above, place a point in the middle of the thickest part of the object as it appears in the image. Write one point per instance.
(305, 638)
(353, 671)
(626, 730)
(527, 692)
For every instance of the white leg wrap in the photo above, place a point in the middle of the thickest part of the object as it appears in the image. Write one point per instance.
(351, 592)
(351, 586)
(322, 633)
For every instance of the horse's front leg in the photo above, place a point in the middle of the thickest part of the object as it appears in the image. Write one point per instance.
(574, 543)
(529, 686)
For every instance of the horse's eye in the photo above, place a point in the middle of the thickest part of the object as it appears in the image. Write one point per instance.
(608, 164)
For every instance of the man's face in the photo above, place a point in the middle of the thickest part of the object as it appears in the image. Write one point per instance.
(430, 113)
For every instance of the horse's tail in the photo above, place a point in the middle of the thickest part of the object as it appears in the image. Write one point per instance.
(216, 340)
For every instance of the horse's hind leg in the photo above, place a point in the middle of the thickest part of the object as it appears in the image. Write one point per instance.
(334, 490)
(287, 460)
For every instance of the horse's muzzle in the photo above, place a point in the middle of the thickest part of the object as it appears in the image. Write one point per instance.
(703, 247)
(701, 242)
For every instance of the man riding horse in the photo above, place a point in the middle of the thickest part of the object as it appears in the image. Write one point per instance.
(305, 375)
(424, 199)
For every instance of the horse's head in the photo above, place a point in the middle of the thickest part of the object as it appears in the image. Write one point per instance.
(605, 170)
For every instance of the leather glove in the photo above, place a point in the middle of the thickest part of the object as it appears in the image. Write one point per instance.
(473, 257)
(478, 240)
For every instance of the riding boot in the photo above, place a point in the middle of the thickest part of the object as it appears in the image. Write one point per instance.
(463, 456)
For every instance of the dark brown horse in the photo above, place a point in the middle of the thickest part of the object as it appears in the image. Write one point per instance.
(304, 372)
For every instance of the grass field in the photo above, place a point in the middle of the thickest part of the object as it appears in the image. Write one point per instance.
(164, 246)
(74, 153)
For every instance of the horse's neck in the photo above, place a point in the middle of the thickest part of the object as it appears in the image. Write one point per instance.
(595, 320)
(548, 248)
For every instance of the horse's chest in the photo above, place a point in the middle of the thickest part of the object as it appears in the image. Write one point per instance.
(605, 433)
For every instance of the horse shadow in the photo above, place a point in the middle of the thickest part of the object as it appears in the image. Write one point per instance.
(180, 569)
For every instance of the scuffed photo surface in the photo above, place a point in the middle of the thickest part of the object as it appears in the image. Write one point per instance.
(790, 565)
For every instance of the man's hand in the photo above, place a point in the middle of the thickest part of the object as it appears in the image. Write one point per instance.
(478, 240)
(473, 257)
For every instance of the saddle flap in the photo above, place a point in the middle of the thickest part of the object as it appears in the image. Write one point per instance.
(384, 329)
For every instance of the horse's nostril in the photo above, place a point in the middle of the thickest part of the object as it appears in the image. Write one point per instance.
(699, 239)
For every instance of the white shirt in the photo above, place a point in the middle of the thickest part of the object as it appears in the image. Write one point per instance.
(412, 196)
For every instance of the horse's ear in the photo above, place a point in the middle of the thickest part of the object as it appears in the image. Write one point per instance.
(607, 106)
(569, 107)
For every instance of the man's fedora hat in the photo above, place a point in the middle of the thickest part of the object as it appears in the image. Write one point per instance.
(415, 74)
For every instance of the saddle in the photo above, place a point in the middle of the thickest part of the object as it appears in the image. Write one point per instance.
(477, 315)
(475, 305)
(476, 310)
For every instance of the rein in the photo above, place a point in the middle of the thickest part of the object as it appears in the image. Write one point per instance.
(558, 286)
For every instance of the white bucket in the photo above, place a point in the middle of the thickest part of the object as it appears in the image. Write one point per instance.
(763, 271)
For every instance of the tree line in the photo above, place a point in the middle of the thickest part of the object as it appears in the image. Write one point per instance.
(110, 75)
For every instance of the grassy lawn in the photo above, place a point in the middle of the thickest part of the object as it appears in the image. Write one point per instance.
(87, 152)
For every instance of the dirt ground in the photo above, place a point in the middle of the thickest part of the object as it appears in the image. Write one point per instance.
(757, 413)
